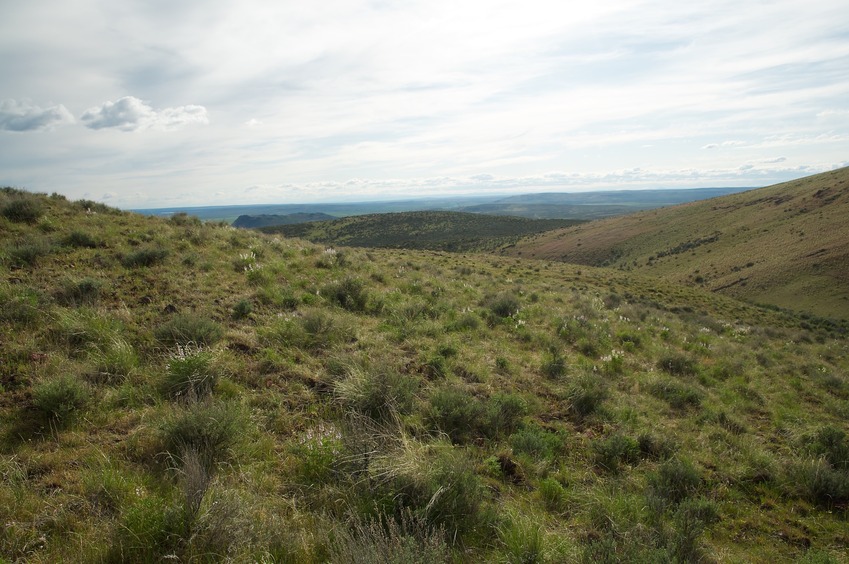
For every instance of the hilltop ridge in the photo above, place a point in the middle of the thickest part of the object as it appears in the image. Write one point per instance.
(786, 245)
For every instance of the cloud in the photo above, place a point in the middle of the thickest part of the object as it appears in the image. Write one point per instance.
(129, 114)
(25, 116)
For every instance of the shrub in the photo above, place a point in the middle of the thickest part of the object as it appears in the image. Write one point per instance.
(677, 395)
(27, 253)
(455, 412)
(79, 292)
(149, 530)
(59, 399)
(818, 482)
(206, 429)
(190, 374)
(19, 305)
(554, 365)
(586, 395)
(674, 481)
(678, 364)
(378, 394)
(242, 309)
(655, 448)
(615, 450)
(317, 450)
(535, 441)
(502, 305)
(114, 361)
(185, 329)
(22, 210)
(185, 220)
(450, 494)
(504, 412)
(148, 256)
(349, 294)
(832, 444)
(384, 539)
(80, 239)
(553, 495)
(522, 541)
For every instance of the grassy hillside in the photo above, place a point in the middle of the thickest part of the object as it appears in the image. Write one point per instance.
(433, 230)
(785, 245)
(172, 390)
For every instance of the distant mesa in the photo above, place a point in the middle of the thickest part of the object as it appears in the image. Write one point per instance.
(256, 221)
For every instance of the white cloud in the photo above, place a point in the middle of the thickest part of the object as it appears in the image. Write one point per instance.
(129, 114)
(25, 116)
(310, 95)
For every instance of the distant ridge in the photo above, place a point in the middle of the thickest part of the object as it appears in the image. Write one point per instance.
(785, 245)
(433, 230)
(254, 221)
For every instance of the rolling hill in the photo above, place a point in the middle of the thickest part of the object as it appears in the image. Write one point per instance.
(434, 230)
(173, 390)
(265, 220)
(786, 245)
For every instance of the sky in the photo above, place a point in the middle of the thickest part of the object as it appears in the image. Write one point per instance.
(161, 103)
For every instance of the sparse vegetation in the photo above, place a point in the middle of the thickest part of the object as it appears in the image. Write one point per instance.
(254, 398)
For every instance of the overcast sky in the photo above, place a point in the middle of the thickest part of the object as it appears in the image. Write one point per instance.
(203, 102)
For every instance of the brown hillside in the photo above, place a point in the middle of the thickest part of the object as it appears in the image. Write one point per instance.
(785, 245)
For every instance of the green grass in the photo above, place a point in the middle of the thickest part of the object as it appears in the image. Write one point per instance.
(390, 403)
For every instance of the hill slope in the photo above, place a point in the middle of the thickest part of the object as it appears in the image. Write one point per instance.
(173, 390)
(264, 220)
(785, 245)
(434, 230)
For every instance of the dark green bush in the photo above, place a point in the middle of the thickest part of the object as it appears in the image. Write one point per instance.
(455, 412)
(553, 495)
(19, 306)
(80, 239)
(208, 430)
(148, 256)
(678, 365)
(22, 210)
(378, 394)
(59, 399)
(586, 395)
(349, 294)
(503, 414)
(27, 253)
(614, 451)
(79, 292)
(832, 444)
(536, 442)
(190, 374)
(655, 448)
(554, 365)
(502, 305)
(674, 481)
(818, 482)
(184, 219)
(185, 329)
(242, 309)
(677, 395)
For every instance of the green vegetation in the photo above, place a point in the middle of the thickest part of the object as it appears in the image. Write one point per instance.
(249, 397)
(783, 245)
(445, 231)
